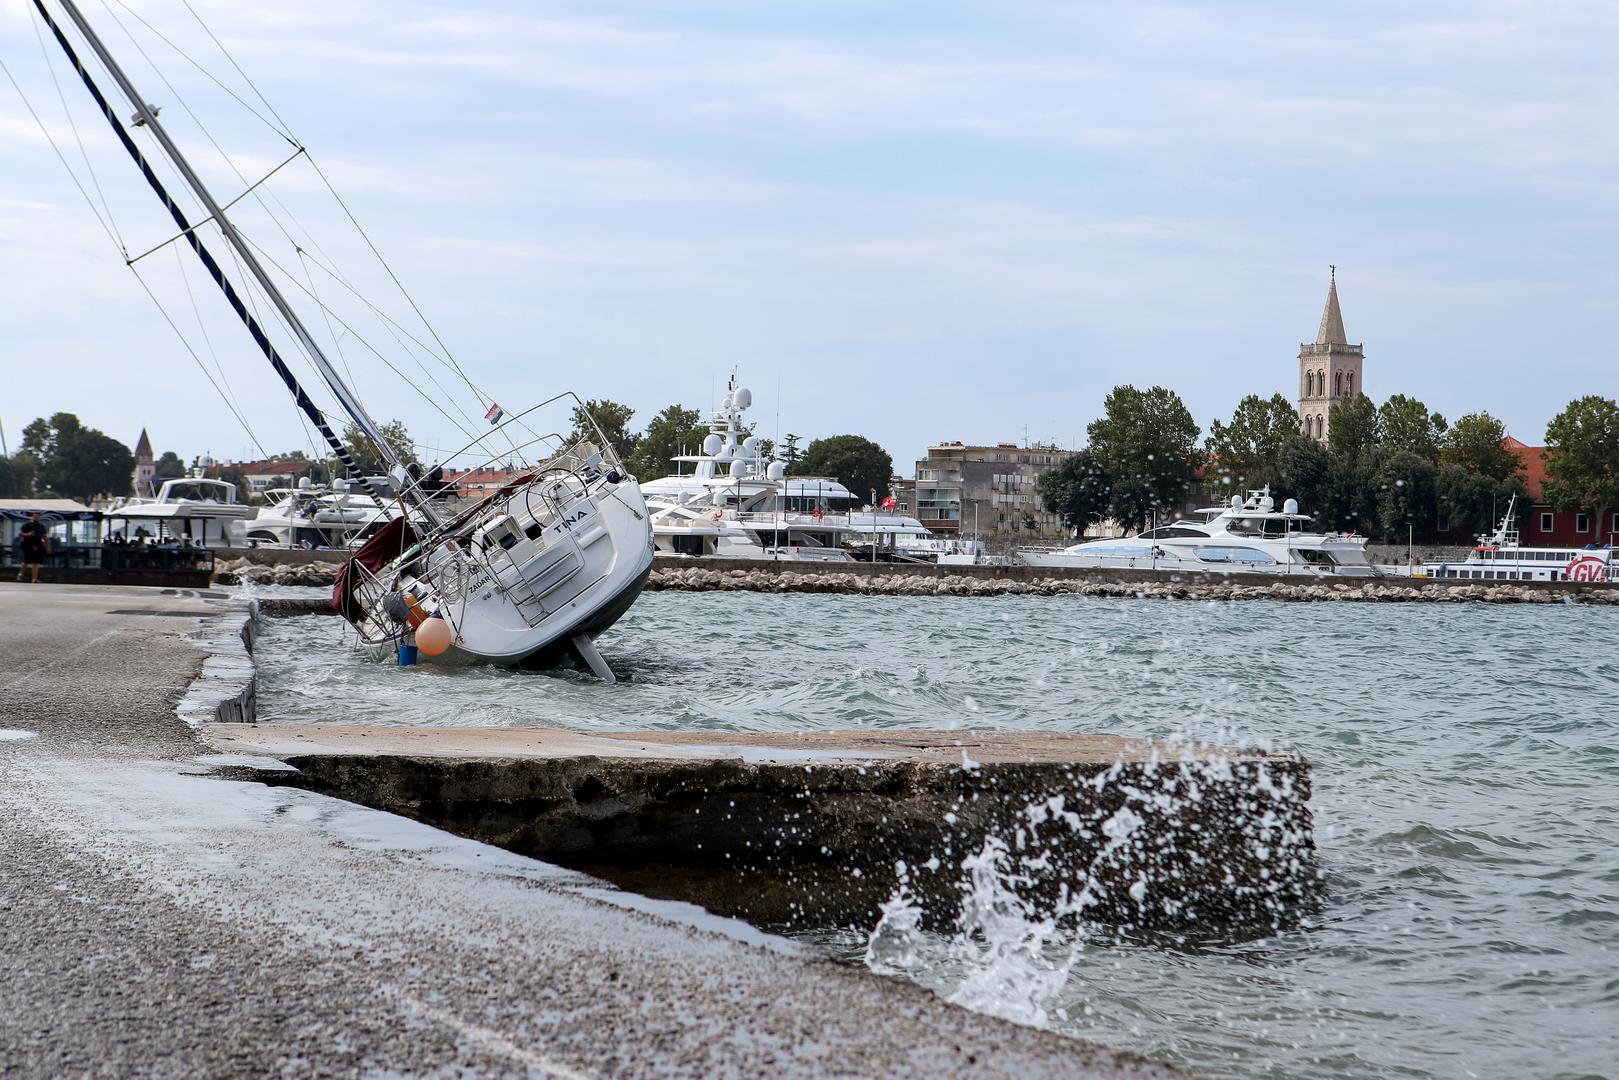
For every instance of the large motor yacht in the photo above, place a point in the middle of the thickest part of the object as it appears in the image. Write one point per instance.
(202, 510)
(738, 504)
(311, 516)
(1250, 536)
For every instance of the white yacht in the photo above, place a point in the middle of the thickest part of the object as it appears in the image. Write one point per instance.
(1500, 557)
(1249, 537)
(737, 504)
(202, 510)
(313, 517)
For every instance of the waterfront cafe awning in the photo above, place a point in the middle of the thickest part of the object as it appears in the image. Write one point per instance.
(61, 509)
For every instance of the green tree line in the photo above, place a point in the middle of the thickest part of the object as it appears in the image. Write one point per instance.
(1385, 468)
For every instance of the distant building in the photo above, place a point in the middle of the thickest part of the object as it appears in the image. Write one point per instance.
(144, 480)
(261, 476)
(1329, 369)
(904, 493)
(990, 490)
(1544, 526)
(476, 483)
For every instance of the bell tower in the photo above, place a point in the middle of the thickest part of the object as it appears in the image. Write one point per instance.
(1329, 368)
(142, 482)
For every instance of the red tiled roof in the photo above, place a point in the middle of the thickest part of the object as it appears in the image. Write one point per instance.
(273, 467)
(1534, 464)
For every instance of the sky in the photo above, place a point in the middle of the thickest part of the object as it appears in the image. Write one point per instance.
(915, 222)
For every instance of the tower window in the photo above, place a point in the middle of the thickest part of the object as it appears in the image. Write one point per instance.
(1351, 382)
(1338, 384)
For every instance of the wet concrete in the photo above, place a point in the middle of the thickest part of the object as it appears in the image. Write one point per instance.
(817, 829)
(158, 920)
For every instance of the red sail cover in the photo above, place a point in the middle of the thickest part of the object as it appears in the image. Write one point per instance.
(385, 545)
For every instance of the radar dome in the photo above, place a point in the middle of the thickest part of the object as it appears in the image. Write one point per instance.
(712, 443)
(739, 469)
(1267, 504)
(1236, 502)
(776, 470)
(743, 397)
(1291, 506)
(751, 444)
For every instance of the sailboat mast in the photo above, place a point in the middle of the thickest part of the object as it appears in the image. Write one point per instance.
(148, 116)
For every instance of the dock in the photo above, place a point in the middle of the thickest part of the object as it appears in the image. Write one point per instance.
(189, 897)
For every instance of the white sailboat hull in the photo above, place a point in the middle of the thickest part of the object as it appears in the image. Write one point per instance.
(519, 588)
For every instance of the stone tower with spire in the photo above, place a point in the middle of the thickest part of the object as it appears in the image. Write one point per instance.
(145, 467)
(1329, 369)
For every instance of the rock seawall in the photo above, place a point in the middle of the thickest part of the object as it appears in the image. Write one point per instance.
(923, 580)
(703, 579)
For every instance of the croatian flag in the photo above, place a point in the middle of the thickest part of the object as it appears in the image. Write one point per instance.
(495, 413)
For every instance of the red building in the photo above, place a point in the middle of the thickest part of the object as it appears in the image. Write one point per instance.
(1544, 526)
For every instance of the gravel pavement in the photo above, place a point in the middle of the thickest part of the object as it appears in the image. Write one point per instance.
(158, 919)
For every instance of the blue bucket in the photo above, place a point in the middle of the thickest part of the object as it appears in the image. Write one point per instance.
(407, 655)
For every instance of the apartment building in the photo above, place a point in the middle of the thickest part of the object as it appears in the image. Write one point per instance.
(990, 491)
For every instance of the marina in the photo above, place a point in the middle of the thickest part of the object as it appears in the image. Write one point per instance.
(467, 672)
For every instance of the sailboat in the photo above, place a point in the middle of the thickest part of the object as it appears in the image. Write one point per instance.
(527, 576)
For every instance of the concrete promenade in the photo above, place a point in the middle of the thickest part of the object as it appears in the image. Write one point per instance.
(158, 919)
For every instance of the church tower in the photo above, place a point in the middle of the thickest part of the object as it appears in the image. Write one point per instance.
(145, 467)
(1329, 369)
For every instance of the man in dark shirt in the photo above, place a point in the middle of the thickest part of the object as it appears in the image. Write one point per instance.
(35, 541)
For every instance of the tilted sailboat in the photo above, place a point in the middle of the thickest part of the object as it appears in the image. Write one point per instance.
(525, 576)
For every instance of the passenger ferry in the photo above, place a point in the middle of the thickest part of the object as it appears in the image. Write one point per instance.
(1499, 557)
(1248, 537)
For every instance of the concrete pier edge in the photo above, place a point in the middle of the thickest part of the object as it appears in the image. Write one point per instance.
(812, 828)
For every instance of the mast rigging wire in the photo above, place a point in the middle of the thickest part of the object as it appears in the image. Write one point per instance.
(203, 253)
(292, 157)
(285, 134)
(116, 240)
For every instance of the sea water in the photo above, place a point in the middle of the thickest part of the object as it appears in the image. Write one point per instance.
(1466, 799)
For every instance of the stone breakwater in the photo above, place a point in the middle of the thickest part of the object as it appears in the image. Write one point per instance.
(1023, 581)
(245, 571)
(701, 579)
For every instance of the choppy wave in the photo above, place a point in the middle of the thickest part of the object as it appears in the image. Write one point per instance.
(1466, 792)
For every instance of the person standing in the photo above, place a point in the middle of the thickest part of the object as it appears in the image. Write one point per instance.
(36, 543)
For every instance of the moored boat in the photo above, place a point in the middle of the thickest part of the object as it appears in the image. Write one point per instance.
(528, 574)
(1250, 536)
(1499, 556)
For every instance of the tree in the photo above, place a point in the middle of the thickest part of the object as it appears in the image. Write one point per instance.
(1472, 501)
(1353, 428)
(1146, 440)
(790, 453)
(1582, 456)
(1478, 442)
(77, 461)
(1397, 488)
(16, 476)
(853, 460)
(365, 453)
(1318, 481)
(1245, 453)
(614, 421)
(1404, 423)
(672, 432)
(168, 467)
(1078, 490)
